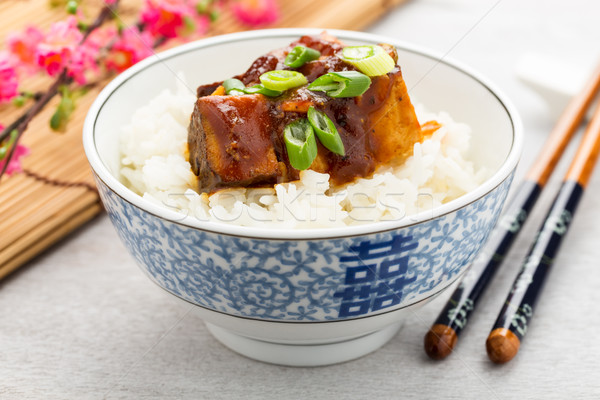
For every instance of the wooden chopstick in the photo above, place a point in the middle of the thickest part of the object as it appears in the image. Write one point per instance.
(443, 335)
(505, 338)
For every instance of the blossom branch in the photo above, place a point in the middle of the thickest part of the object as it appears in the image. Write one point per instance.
(20, 124)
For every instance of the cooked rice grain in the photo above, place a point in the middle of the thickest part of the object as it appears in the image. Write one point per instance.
(153, 165)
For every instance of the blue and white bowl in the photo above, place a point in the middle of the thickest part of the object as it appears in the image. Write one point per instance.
(305, 297)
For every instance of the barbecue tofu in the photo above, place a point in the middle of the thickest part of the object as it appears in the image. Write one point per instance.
(237, 141)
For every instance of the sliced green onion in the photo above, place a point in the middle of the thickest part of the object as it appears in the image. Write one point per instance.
(342, 84)
(234, 87)
(358, 52)
(262, 90)
(300, 55)
(300, 143)
(282, 79)
(325, 131)
(371, 60)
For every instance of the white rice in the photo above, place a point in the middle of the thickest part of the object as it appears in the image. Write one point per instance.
(154, 166)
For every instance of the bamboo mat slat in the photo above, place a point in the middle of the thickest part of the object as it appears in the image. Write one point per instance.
(36, 213)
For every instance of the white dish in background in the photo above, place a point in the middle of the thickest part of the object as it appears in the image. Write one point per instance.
(555, 80)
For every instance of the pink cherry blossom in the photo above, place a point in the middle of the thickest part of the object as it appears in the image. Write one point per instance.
(166, 18)
(255, 12)
(202, 24)
(103, 36)
(56, 50)
(8, 78)
(62, 48)
(83, 61)
(23, 46)
(131, 47)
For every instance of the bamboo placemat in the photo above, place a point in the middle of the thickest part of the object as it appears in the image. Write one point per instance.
(55, 193)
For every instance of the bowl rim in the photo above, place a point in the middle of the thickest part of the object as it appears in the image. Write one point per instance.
(107, 178)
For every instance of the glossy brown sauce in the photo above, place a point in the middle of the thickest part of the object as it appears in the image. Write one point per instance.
(244, 134)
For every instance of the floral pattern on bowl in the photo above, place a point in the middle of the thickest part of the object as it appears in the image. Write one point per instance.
(305, 280)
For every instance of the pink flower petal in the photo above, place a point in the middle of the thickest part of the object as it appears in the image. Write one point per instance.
(166, 17)
(8, 79)
(131, 47)
(23, 45)
(15, 163)
(255, 12)
(56, 50)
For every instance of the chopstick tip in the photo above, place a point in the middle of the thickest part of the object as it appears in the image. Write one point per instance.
(440, 341)
(502, 345)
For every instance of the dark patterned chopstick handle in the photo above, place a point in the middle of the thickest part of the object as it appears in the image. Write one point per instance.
(505, 338)
(510, 327)
(443, 335)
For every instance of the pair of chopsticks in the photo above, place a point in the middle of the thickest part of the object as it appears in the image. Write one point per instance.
(509, 329)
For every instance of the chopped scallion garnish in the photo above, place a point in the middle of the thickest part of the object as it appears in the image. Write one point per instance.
(234, 87)
(262, 90)
(300, 143)
(371, 60)
(326, 131)
(282, 79)
(342, 84)
(300, 55)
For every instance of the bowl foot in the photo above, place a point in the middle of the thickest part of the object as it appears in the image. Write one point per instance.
(304, 355)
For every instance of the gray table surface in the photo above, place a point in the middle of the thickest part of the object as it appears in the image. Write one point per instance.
(83, 322)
